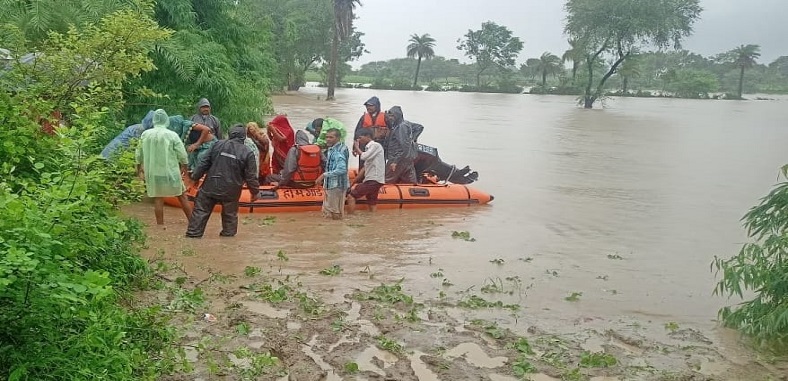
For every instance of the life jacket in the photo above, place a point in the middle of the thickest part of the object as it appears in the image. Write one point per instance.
(309, 167)
(380, 120)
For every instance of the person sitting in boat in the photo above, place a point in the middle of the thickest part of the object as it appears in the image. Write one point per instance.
(123, 140)
(197, 138)
(281, 134)
(320, 126)
(401, 150)
(256, 140)
(373, 119)
(302, 167)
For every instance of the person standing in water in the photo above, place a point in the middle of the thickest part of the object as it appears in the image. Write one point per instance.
(335, 178)
(161, 161)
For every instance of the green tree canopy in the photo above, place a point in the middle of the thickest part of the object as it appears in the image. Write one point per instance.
(617, 29)
(492, 45)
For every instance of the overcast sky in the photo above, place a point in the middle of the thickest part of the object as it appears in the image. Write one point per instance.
(387, 25)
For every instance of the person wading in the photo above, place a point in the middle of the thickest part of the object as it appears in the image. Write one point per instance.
(335, 179)
(161, 161)
(228, 165)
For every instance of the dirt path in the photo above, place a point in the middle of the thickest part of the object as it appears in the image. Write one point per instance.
(266, 323)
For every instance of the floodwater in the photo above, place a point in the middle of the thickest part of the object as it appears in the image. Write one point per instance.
(626, 205)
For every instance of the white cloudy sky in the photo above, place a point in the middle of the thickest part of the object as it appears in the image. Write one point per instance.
(724, 24)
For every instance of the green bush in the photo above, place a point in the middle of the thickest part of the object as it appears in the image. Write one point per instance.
(761, 266)
(67, 256)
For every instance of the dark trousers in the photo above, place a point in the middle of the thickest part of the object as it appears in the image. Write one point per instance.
(203, 206)
(405, 174)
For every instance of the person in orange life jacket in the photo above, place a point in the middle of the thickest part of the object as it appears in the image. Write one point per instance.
(302, 167)
(373, 119)
(372, 175)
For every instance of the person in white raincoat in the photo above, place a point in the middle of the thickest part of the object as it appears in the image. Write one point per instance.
(161, 160)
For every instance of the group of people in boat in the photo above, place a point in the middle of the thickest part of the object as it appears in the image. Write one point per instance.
(172, 148)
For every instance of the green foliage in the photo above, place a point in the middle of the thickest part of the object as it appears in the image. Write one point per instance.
(615, 30)
(463, 235)
(351, 367)
(762, 267)
(491, 46)
(597, 360)
(331, 271)
(390, 345)
(389, 294)
(67, 256)
(218, 50)
(690, 83)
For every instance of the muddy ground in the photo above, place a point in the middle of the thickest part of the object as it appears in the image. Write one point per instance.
(274, 321)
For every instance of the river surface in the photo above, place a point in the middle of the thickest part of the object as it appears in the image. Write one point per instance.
(627, 205)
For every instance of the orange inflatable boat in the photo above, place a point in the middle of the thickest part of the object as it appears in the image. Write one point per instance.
(391, 196)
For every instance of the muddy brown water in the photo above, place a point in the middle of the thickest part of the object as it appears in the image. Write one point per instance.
(658, 185)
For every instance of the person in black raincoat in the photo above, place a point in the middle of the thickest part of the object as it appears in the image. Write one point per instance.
(401, 150)
(228, 165)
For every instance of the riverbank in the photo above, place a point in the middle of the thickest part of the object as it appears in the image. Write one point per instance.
(273, 309)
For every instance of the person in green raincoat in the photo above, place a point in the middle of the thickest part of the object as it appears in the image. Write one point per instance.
(161, 160)
(320, 126)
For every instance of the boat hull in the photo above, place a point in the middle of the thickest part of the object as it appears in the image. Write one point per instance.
(391, 196)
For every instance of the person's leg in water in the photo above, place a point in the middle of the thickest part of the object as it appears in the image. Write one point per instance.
(203, 206)
(229, 218)
(186, 206)
(351, 203)
(158, 210)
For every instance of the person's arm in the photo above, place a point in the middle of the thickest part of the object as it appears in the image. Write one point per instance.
(360, 175)
(372, 151)
(205, 136)
(250, 176)
(276, 135)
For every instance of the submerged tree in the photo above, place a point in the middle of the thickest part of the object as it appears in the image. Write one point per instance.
(421, 48)
(616, 29)
(743, 57)
(492, 45)
(342, 30)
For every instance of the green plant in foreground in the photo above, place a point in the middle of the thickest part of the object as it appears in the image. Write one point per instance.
(331, 271)
(761, 266)
(597, 360)
(390, 345)
(389, 294)
(351, 367)
(463, 235)
(251, 271)
(476, 302)
(573, 297)
(522, 367)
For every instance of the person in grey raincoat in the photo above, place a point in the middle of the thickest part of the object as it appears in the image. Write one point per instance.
(401, 150)
(228, 165)
(204, 117)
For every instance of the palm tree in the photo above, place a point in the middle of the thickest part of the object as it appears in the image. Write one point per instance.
(744, 58)
(420, 47)
(343, 27)
(575, 54)
(549, 63)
